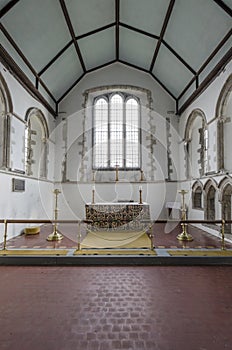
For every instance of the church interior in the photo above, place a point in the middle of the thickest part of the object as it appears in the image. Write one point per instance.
(116, 170)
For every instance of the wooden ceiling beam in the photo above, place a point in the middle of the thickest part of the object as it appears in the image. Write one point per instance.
(226, 8)
(179, 57)
(71, 31)
(206, 82)
(16, 71)
(25, 60)
(55, 58)
(8, 7)
(117, 12)
(97, 30)
(163, 30)
(153, 36)
(213, 54)
(70, 88)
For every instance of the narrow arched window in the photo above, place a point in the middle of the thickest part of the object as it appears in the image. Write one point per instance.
(116, 132)
(197, 198)
(36, 150)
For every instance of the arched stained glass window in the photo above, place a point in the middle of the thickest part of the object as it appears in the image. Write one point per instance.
(116, 132)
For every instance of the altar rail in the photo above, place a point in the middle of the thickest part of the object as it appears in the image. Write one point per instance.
(222, 224)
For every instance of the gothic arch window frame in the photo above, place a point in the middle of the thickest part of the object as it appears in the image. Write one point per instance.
(207, 186)
(31, 112)
(197, 196)
(204, 144)
(126, 96)
(219, 115)
(5, 123)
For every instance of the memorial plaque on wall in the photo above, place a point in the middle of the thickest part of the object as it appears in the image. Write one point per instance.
(18, 185)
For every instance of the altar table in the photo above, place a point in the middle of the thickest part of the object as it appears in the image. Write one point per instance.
(126, 216)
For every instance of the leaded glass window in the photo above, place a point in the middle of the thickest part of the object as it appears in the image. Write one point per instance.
(116, 132)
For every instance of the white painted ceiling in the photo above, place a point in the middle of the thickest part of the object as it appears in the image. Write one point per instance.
(56, 42)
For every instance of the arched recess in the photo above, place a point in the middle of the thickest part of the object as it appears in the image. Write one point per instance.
(209, 200)
(197, 195)
(36, 143)
(196, 144)
(225, 188)
(224, 127)
(6, 108)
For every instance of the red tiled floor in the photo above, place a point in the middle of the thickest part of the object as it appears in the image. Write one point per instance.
(164, 237)
(104, 308)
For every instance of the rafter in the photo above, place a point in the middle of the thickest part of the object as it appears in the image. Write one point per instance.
(213, 54)
(163, 30)
(150, 73)
(25, 60)
(94, 31)
(153, 36)
(206, 82)
(17, 72)
(101, 66)
(204, 65)
(71, 30)
(70, 88)
(8, 7)
(226, 8)
(179, 57)
(117, 12)
(55, 58)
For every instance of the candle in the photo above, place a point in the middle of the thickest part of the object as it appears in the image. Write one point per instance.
(140, 188)
(93, 188)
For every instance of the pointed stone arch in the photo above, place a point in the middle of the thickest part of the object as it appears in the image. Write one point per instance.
(223, 120)
(6, 108)
(210, 189)
(225, 187)
(36, 143)
(201, 151)
(197, 195)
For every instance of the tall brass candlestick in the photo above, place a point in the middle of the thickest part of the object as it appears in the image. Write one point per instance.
(93, 195)
(55, 235)
(140, 195)
(116, 175)
(141, 175)
(184, 235)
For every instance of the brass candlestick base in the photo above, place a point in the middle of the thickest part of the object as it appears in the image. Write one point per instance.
(116, 174)
(140, 197)
(55, 236)
(184, 235)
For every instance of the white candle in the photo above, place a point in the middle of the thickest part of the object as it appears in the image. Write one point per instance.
(93, 187)
(140, 188)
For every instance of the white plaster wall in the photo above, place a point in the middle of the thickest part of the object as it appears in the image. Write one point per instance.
(37, 200)
(74, 196)
(69, 136)
(207, 103)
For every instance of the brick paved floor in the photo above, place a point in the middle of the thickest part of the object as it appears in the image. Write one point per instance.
(104, 308)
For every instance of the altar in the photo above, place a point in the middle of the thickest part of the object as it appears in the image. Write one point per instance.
(123, 216)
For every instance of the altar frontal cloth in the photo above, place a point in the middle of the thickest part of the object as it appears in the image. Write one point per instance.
(125, 239)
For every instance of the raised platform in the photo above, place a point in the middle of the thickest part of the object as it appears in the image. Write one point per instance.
(69, 258)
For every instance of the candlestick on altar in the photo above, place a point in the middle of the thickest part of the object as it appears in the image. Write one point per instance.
(116, 175)
(55, 235)
(184, 235)
(141, 175)
(140, 195)
(93, 194)
(79, 237)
